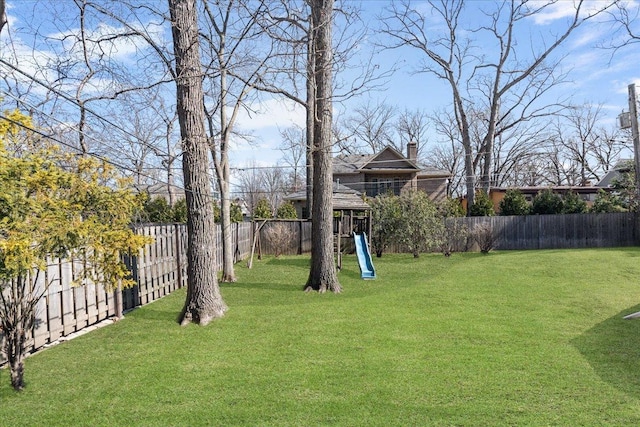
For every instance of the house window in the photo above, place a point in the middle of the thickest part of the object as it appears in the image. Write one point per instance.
(383, 186)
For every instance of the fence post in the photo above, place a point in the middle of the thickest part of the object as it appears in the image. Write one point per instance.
(178, 252)
(236, 252)
(117, 299)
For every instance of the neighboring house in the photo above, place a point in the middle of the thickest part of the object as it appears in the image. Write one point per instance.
(390, 170)
(344, 199)
(162, 190)
(588, 193)
(623, 166)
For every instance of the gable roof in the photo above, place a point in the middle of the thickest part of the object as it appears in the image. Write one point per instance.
(624, 165)
(389, 159)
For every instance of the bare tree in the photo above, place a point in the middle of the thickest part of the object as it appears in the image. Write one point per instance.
(235, 62)
(293, 148)
(506, 86)
(141, 143)
(515, 148)
(412, 126)
(322, 274)
(250, 185)
(589, 150)
(172, 151)
(3, 15)
(204, 301)
(292, 74)
(624, 17)
(372, 127)
(448, 152)
(273, 179)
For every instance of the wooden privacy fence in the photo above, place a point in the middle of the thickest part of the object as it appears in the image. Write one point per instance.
(158, 269)
(569, 231)
(161, 267)
(294, 237)
(63, 308)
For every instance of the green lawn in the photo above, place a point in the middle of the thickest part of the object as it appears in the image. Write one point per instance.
(511, 338)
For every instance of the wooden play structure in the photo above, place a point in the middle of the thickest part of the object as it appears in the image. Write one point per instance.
(346, 224)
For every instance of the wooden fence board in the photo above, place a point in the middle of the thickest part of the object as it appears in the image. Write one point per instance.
(66, 295)
(54, 309)
(40, 327)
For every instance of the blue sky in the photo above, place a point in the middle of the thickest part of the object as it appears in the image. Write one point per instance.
(597, 75)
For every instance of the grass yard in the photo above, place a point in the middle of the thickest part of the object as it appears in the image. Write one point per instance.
(511, 338)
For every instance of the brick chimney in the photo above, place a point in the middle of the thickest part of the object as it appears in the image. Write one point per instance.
(412, 151)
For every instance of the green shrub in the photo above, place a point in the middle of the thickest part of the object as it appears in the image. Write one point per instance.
(607, 202)
(263, 209)
(450, 208)
(287, 211)
(385, 221)
(420, 225)
(157, 210)
(235, 213)
(573, 203)
(547, 202)
(482, 205)
(514, 203)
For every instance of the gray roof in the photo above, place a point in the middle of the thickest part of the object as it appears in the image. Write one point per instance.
(625, 165)
(355, 163)
(343, 198)
(350, 163)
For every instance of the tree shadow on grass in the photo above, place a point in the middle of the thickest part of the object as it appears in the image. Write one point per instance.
(289, 262)
(264, 286)
(612, 348)
(155, 313)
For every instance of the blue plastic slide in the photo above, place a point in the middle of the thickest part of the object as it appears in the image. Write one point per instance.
(364, 256)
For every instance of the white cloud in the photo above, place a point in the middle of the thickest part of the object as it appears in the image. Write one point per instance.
(264, 125)
(272, 113)
(564, 9)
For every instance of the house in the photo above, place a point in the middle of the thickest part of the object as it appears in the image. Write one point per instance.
(171, 193)
(623, 166)
(390, 170)
(586, 193)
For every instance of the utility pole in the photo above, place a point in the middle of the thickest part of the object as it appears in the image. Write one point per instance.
(636, 138)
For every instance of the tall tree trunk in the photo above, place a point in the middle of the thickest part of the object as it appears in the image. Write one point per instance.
(204, 301)
(322, 275)
(228, 269)
(222, 170)
(310, 111)
(463, 126)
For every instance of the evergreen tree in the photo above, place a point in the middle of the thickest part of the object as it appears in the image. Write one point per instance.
(514, 203)
(287, 211)
(607, 202)
(263, 209)
(573, 203)
(547, 202)
(482, 205)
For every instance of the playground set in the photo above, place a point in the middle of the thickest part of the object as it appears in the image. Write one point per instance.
(356, 225)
